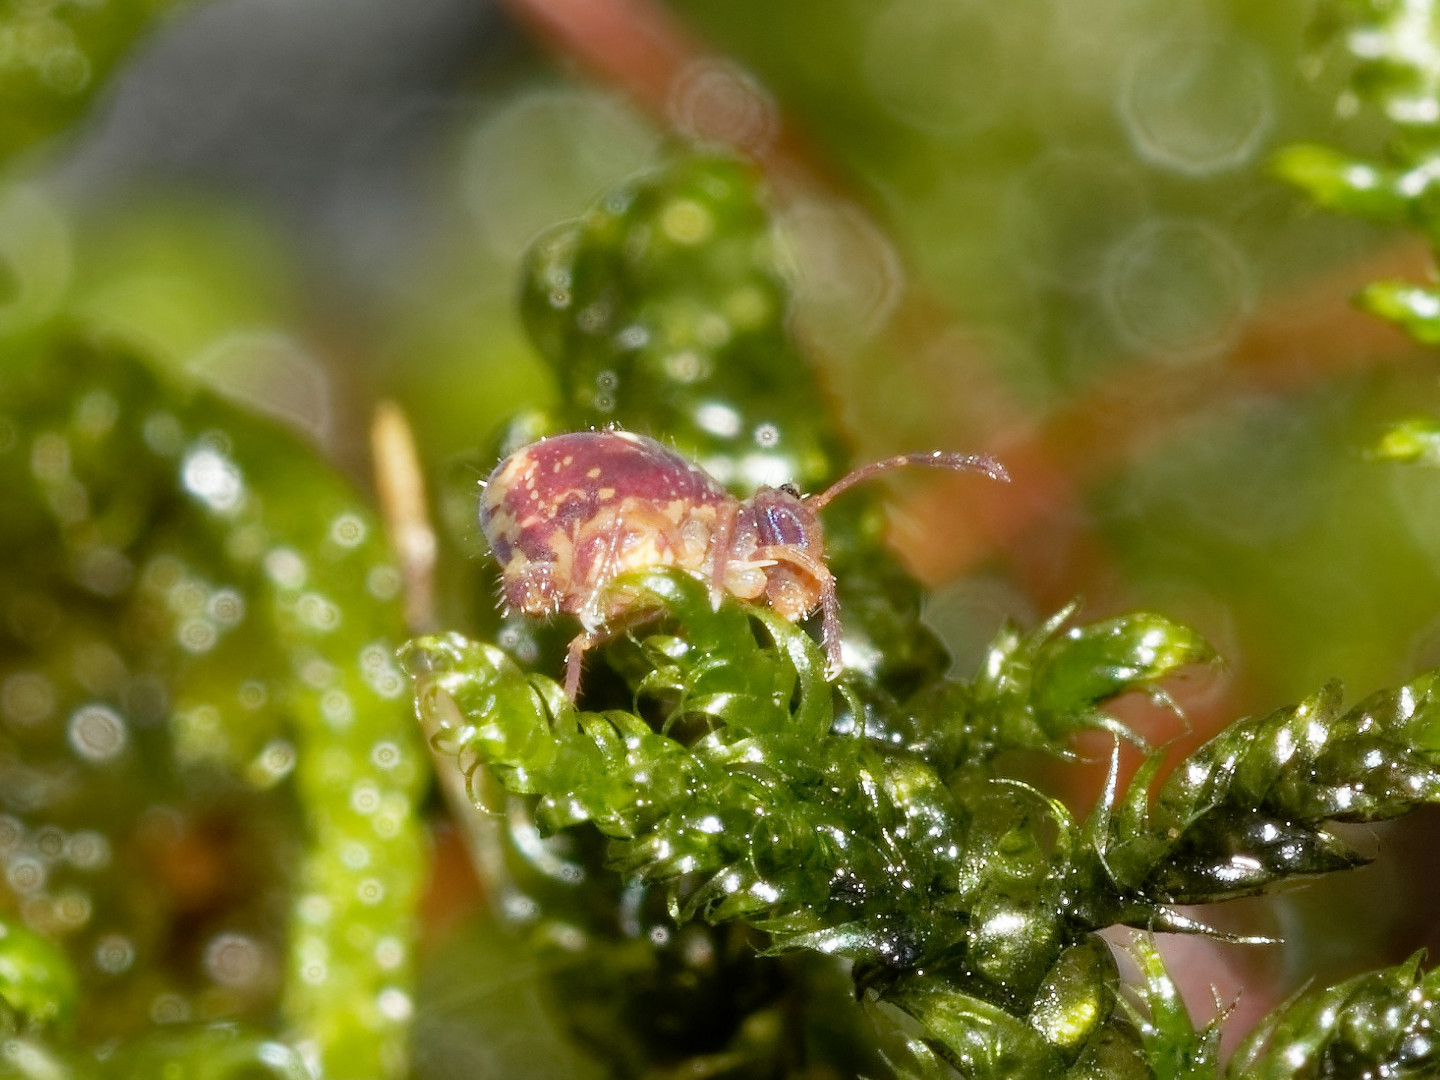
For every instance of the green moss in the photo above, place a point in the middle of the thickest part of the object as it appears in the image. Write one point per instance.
(868, 818)
(200, 625)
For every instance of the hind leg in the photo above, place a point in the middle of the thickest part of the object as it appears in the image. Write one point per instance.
(586, 640)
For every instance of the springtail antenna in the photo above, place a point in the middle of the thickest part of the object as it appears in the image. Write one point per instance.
(933, 459)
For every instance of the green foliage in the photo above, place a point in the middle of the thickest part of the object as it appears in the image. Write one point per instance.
(730, 864)
(55, 56)
(869, 819)
(1249, 807)
(1379, 1023)
(1392, 47)
(37, 984)
(200, 625)
(1036, 689)
(663, 308)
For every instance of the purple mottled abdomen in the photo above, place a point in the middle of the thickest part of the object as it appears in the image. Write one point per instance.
(565, 514)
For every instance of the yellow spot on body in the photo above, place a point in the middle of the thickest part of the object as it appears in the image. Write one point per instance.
(594, 474)
(606, 493)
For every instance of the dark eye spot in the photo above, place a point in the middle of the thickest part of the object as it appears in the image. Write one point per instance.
(791, 490)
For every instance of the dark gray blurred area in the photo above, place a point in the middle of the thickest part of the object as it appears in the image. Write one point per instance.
(325, 112)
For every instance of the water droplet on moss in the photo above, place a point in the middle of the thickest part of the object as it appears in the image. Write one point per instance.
(348, 530)
(88, 850)
(1198, 106)
(234, 960)
(394, 1004)
(27, 698)
(213, 478)
(114, 953)
(25, 874)
(97, 732)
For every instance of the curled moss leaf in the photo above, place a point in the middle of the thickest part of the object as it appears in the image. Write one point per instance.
(979, 1039)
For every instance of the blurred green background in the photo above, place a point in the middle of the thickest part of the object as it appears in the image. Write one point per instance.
(1039, 228)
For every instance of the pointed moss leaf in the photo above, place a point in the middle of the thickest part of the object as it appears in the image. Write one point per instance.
(1383, 1023)
(1413, 308)
(1338, 182)
(1036, 689)
(981, 1040)
(1087, 665)
(1414, 440)
(36, 979)
(1120, 833)
(1230, 854)
(1175, 1048)
(1250, 806)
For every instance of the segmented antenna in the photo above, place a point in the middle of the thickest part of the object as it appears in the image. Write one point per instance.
(933, 459)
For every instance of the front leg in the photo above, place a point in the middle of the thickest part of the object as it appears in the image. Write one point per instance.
(795, 595)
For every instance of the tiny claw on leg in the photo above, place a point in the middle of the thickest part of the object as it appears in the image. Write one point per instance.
(574, 661)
